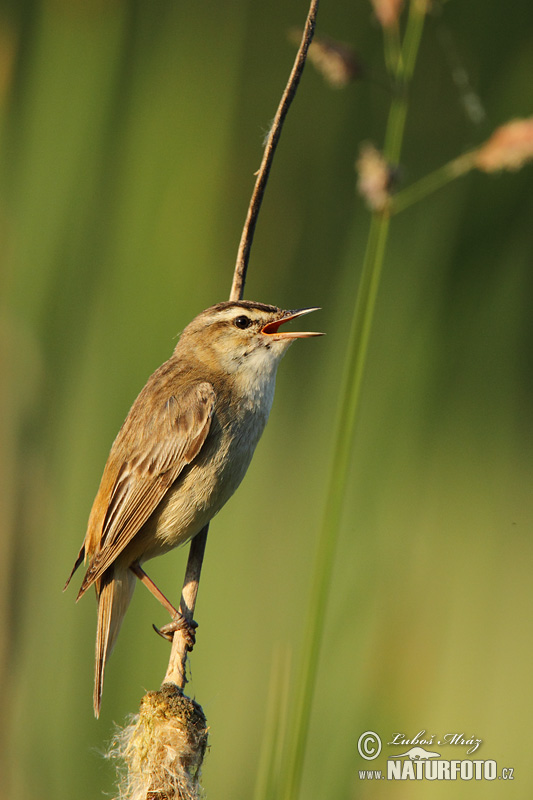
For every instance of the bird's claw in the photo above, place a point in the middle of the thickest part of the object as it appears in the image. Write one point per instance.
(179, 623)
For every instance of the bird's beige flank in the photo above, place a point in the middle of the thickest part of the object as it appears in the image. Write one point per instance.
(181, 453)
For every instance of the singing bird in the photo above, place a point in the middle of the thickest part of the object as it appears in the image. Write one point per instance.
(181, 453)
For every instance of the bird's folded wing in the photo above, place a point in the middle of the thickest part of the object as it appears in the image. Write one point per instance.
(134, 487)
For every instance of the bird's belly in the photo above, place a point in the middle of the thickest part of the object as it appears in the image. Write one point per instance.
(197, 495)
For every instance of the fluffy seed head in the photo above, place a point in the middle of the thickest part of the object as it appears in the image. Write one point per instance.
(509, 147)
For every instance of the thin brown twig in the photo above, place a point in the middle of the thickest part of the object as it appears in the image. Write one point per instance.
(178, 656)
(243, 254)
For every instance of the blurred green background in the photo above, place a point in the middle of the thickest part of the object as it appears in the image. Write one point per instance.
(130, 132)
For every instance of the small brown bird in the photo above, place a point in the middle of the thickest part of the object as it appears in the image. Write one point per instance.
(181, 453)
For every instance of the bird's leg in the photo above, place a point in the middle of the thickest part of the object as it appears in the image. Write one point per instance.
(150, 585)
(179, 622)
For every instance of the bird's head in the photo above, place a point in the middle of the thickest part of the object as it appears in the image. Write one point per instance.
(242, 336)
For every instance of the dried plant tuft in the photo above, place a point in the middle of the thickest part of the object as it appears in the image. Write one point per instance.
(509, 147)
(160, 752)
(337, 62)
(387, 11)
(375, 177)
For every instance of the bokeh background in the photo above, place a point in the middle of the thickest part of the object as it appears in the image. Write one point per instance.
(130, 132)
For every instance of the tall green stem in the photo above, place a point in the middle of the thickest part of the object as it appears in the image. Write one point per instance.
(404, 73)
(327, 544)
(345, 428)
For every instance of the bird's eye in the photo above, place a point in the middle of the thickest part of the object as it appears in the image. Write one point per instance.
(242, 322)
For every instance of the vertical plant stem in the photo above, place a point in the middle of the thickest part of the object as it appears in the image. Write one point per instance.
(404, 73)
(413, 35)
(178, 655)
(345, 428)
(395, 129)
(276, 722)
(327, 544)
(393, 50)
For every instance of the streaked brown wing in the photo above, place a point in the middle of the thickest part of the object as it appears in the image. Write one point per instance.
(176, 432)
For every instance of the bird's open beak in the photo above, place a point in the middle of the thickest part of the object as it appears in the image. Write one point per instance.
(271, 328)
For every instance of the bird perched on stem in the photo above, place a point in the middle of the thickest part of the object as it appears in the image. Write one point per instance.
(180, 454)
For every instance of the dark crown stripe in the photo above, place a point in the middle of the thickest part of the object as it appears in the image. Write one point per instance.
(247, 305)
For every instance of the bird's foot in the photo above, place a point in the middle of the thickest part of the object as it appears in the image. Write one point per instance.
(179, 623)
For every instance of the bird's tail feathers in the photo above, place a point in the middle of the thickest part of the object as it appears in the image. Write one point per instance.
(114, 594)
